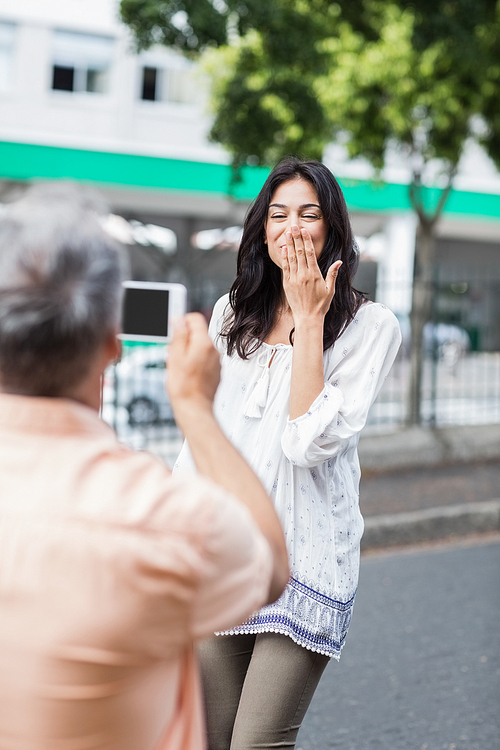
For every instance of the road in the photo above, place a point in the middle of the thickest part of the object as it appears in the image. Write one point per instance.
(421, 665)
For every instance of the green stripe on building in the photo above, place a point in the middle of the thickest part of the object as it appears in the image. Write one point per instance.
(21, 161)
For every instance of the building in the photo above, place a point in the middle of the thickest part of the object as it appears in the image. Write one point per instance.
(78, 103)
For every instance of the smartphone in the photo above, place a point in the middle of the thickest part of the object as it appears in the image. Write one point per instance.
(150, 309)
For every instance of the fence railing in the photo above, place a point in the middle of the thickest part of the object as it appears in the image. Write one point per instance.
(460, 384)
(461, 370)
(458, 391)
(462, 392)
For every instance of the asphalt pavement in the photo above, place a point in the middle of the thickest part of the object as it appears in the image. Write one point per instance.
(421, 666)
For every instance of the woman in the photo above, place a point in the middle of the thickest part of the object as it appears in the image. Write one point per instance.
(303, 358)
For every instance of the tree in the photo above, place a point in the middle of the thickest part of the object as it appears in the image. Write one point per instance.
(419, 77)
(263, 73)
(423, 91)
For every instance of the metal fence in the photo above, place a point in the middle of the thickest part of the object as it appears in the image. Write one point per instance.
(461, 374)
(461, 377)
(455, 391)
(135, 402)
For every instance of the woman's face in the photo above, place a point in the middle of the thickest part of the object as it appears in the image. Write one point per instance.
(294, 203)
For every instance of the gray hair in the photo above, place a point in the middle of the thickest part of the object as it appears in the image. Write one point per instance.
(60, 289)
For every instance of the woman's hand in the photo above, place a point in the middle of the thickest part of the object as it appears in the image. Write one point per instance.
(308, 293)
(309, 296)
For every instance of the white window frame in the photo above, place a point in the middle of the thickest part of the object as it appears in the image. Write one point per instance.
(83, 53)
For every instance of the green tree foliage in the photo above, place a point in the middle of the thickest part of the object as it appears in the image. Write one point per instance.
(194, 25)
(422, 88)
(470, 33)
(274, 62)
(266, 61)
(418, 77)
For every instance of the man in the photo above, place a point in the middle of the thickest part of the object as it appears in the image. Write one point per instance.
(110, 568)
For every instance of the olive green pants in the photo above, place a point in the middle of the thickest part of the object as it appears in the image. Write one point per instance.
(257, 690)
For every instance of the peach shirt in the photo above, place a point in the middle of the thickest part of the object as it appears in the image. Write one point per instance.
(110, 568)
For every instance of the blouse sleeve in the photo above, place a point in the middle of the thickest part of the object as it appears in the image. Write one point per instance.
(341, 409)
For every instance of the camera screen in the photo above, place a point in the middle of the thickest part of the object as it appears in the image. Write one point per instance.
(145, 312)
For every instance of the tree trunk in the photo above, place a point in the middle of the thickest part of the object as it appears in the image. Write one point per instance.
(425, 248)
(422, 295)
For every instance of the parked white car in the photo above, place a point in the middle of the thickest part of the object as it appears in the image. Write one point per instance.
(137, 383)
(452, 342)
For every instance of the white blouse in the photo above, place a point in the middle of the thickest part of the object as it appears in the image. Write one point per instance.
(309, 466)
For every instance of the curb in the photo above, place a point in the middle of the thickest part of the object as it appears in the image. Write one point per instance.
(415, 447)
(430, 524)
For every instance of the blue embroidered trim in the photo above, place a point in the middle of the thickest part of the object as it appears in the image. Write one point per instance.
(313, 620)
(321, 598)
(284, 623)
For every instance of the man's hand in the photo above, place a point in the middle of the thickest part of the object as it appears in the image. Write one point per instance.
(193, 365)
(193, 377)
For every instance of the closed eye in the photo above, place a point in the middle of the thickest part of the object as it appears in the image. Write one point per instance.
(308, 217)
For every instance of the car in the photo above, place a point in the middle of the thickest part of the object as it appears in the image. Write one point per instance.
(451, 341)
(137, 383)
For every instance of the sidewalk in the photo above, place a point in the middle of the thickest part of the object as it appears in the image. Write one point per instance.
(419, 485)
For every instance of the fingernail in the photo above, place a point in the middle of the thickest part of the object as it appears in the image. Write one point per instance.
(304, 232)
(289, 235)
(295, 228)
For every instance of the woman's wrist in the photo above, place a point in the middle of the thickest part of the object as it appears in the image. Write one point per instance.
(309, 324)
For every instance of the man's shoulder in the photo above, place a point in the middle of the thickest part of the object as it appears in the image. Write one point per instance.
(139, 488)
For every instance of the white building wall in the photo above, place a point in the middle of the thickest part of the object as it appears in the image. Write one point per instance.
(395, 270)
(31, 112)
(119, 121)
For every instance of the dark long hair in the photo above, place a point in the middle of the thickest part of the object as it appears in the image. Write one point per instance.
(256, 293)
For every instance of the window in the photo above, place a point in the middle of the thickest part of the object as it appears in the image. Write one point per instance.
(63, 78)
(81, 62)
(7, 32)
(171, 82)
(149, 84)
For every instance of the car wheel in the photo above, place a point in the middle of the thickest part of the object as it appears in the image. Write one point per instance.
(142, 411)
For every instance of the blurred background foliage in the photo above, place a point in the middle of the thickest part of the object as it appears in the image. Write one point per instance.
(289, 76)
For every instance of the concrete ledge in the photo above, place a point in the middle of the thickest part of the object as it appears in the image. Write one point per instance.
(470, 443)
(415, 446)
(421, 446)
(429, 524)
